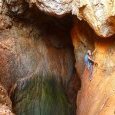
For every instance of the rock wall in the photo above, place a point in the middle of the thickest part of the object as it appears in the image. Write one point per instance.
(37, 63)
(5, 102)
(99, 14)
(37, 56)
(96, 97)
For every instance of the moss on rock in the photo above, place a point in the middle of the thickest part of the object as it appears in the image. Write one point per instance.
(40, 95)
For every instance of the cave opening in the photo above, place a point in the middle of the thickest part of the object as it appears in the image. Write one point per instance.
(55, 34)
(45, 61)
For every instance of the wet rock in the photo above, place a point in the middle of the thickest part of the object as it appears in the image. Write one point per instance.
(40, 95)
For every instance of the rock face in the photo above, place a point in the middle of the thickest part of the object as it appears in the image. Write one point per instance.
(37, 55)
(58, 7)
(95, 97)
(5, 102)
(99, 13)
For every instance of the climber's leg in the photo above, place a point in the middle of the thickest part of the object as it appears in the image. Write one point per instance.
(86, 71)
(91, 72)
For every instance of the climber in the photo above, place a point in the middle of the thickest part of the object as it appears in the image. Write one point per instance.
(89, 63)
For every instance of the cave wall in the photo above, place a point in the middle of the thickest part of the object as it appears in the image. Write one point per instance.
(37, 63)
(99, 14)
(37, 56)
(96, 97)
(5, 102)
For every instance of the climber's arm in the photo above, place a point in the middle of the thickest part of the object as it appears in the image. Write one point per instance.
(92, 61)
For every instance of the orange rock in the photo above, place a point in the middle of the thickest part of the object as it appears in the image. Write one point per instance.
(96, 96)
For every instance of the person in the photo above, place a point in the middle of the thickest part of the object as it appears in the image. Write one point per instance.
(89, 63)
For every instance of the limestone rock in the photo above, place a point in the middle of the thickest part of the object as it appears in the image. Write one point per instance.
(5, 102)
(96, 96)
(97, 13)
(38, 45)
(37, 55)
(58, 7)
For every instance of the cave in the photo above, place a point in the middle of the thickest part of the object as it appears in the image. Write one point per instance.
(43, 80)
(56, 76)
(42, 47)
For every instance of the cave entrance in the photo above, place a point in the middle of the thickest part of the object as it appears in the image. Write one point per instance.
(57, 58)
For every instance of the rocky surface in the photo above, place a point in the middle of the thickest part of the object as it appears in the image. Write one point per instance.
(99, 13)
(58, 7)
(37, 61)
(5, 102)
(33, 48)
(40, 95)
(96, 97)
